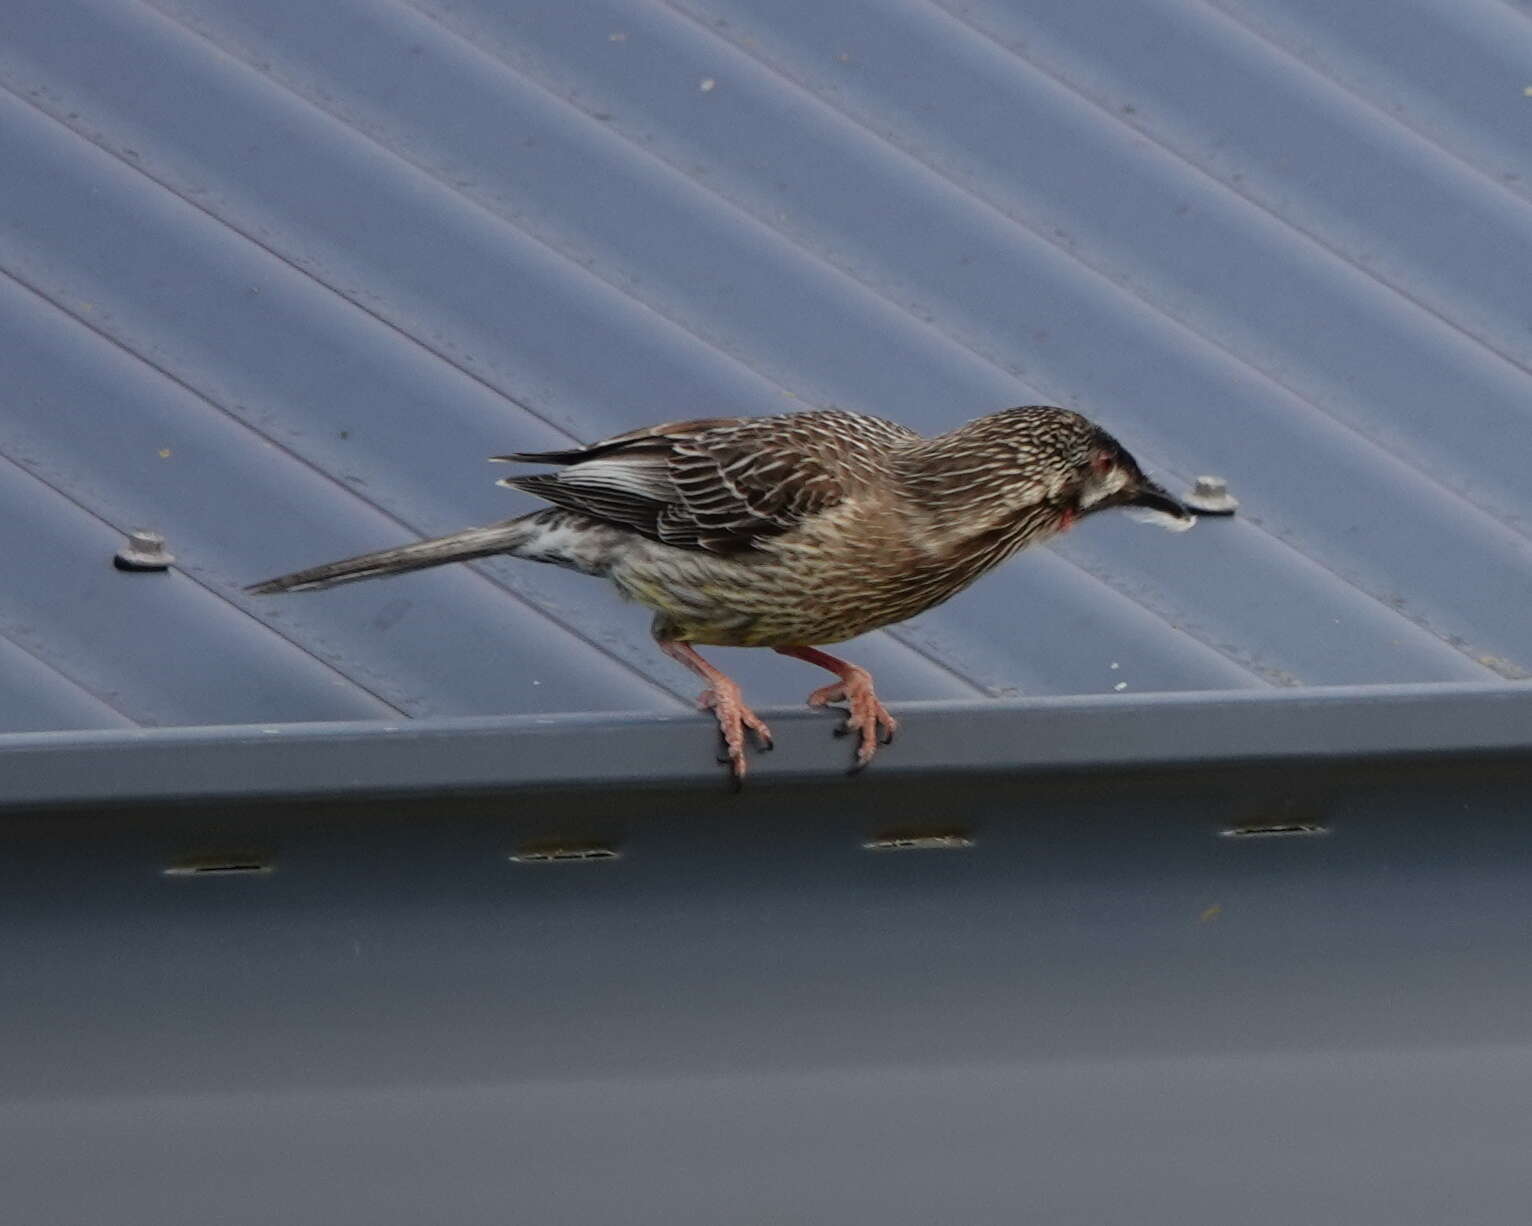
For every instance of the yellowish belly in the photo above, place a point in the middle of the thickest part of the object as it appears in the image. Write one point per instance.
(770, 601)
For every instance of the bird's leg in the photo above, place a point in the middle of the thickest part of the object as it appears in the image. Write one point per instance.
(723, 698)
(868, 717)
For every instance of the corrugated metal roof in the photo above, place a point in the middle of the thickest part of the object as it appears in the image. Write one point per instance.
(277, 277)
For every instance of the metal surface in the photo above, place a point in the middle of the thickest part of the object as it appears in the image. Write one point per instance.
(1068, 997)
(1195, 889)
(612, 757)
(277, 278)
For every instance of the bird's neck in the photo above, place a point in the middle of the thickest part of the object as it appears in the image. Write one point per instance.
(974, 482)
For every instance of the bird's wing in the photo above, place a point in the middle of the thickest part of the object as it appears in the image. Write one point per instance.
(720, 485)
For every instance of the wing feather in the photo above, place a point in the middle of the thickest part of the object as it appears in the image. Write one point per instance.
(721, 485)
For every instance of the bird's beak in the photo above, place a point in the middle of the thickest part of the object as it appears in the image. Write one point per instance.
(1153, 498)
(1156, 506)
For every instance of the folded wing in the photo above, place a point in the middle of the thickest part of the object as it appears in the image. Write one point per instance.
(720, 485)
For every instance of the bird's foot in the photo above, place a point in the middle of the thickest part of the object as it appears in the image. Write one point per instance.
(867, 717)
(724, 700)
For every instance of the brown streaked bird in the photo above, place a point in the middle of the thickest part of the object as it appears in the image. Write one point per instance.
(792, 532)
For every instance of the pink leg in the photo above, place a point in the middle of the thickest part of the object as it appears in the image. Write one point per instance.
(868, 717)
(723, 698)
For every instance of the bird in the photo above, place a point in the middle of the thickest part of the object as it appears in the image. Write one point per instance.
(793, 532)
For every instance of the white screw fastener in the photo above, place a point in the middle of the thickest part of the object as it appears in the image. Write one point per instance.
(1210, 496)
(144, 551)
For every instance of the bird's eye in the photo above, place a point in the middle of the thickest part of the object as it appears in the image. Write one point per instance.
(1101, 463)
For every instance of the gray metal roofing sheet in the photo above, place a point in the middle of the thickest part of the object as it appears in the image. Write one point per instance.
(277, 277)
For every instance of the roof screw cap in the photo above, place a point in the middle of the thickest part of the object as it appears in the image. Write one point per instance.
(1210, 496)
(144, 551)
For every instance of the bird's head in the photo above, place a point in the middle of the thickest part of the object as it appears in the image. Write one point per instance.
(1037, 468)
(1107, 476)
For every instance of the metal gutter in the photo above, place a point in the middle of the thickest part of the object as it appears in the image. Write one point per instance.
(583, 753)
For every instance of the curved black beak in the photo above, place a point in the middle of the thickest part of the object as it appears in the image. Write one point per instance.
(1153, 498)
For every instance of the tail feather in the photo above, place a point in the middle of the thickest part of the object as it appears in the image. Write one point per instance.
(459, 547)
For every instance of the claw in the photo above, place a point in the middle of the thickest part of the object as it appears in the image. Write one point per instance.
(867, 717)
(723, 699)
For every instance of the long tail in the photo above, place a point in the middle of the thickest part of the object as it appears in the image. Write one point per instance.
(506, 537)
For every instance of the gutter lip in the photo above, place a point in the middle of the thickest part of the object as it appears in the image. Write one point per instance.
(1112, 733)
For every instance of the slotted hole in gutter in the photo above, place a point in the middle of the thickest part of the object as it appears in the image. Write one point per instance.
(1274, 830)
(919, 840)
(563, 853)
(220, 864)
